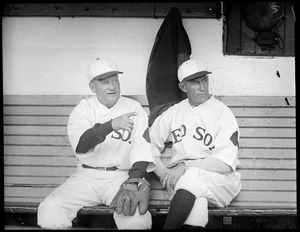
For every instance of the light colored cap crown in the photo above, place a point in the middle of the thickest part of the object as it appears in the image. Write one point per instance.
(191, 69)
(102, 68)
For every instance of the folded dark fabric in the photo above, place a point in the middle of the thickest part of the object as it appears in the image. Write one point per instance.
(171, 48)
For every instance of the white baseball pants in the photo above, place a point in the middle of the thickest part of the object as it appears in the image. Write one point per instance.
(87, 187)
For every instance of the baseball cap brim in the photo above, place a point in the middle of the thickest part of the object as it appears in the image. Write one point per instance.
(196, 75)
(105, 75)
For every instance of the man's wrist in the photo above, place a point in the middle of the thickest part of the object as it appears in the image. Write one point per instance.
(136, 181)
(138, 169)
(131, 186)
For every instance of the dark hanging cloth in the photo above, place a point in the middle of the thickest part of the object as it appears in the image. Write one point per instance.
(171, 48)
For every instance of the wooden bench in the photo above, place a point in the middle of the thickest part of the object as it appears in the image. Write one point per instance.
(38, 156)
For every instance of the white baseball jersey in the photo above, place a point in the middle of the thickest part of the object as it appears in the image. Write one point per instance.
(209, 129)
(120, 148)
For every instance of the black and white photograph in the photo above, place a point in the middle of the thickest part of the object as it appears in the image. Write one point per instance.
(149, 115)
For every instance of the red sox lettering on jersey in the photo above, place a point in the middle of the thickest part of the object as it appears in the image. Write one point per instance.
(199, 135)
(125, 136)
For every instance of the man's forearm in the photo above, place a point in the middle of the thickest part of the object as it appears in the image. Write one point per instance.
(210, 164)
(160, 170)
(93, 136)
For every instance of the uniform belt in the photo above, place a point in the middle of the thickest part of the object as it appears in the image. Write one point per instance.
(113, 168)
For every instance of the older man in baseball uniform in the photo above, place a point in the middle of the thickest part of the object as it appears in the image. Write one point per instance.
(205, 135)
(109, 136)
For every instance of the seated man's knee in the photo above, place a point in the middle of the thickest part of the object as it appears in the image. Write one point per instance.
(137, 221)
(51, 214)
(189, 181)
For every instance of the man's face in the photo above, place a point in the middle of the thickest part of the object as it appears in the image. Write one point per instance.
(107, 90)
(196, 90)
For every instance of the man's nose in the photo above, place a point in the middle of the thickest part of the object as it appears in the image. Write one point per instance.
(111, 85)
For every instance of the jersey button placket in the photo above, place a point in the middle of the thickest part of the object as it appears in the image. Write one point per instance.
(188, 136)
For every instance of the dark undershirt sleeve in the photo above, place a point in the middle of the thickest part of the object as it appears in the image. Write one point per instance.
(138, 169)
(93, 136)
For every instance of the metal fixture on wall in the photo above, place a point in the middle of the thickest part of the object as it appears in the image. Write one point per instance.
(264, 18)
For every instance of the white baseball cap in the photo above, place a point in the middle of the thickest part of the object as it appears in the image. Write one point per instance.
(102, 68)
(191, 69)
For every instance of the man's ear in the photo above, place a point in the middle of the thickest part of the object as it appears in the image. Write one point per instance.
(182, 87)
(92, 87)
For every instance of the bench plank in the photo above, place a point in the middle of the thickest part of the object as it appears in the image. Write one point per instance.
(36, 120)
(229, 211)
(64, 141)
(164, 205)
(38, 150)
(257, 163)
(46, 170)
(38, 110)
(62, 130)
(63, 121)
(158, 194)
(245, 101)
(287, 185)
(67, 151)
(66, 110)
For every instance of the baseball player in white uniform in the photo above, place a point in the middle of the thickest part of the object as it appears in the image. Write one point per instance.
(204, 135)
(110, 138)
